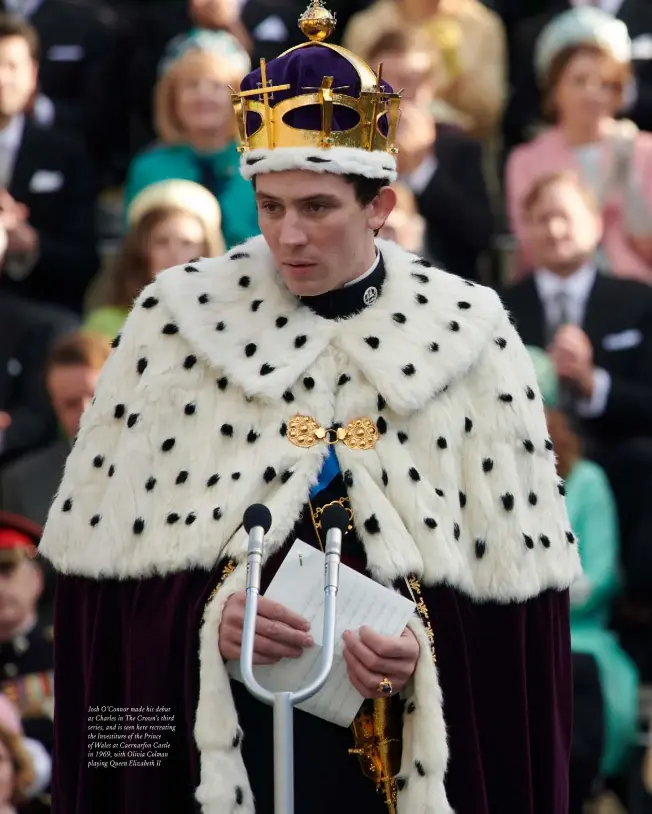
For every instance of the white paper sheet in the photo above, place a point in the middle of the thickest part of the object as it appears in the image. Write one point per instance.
(299, 585)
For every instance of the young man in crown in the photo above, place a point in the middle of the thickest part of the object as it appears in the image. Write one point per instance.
(247, 379)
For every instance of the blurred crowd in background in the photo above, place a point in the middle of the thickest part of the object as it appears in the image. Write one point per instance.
(525, 163)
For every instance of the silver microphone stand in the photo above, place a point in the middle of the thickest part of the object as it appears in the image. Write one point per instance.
(334, 521)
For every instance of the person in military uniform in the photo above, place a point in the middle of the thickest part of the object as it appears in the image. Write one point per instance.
(26, 644)
(313, 364)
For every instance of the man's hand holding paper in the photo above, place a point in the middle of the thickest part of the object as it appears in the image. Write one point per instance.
(372, 659)
(372, 617)
(280, 633)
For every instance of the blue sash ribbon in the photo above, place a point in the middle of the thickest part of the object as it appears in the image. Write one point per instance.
(329, 471)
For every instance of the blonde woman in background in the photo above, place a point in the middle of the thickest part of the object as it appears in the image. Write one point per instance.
(170, 223)
(195, 123)
(583, 61)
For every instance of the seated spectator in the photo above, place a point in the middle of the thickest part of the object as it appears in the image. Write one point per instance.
(471, 82)
(583, 60)
(196, 125)
(153, 26)
(598, 331)
(529, 19)
(80, 88)
(605, 679)
(47, 194)
(26, 643)
(169, 223)
(441, 165)
(27, 332)
(28, 485)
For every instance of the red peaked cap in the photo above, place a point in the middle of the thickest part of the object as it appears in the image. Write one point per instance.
(18, 532)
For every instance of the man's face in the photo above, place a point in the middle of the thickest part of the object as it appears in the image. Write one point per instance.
(562, 231)
(203, 98)
(21, 585)
(174, 241)
(318, 232)
(71, 389)
(18, 76)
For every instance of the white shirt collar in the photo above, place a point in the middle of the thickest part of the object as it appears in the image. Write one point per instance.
(371, 268)
(12, 135)
(577, 285)
(575, 289)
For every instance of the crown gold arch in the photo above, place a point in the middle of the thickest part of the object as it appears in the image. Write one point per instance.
(318, 23)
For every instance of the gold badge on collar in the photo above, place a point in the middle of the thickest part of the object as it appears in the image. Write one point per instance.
(305, 432)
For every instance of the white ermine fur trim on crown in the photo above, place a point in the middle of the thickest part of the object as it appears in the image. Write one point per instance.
(224, 779)
(337, 160)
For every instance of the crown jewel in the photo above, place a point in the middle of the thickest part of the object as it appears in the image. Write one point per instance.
(273, 112)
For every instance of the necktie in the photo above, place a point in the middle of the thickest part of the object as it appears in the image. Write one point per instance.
(560, 317)
(559, 314)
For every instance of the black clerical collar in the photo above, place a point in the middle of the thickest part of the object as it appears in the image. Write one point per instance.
(353, 298)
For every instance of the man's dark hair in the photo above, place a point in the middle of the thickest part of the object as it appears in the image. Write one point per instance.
(366, 189)
(12, 26)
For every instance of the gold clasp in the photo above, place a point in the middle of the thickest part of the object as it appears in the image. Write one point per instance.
(305, 432)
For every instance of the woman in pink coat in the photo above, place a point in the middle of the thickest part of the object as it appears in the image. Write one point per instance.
(583, 61)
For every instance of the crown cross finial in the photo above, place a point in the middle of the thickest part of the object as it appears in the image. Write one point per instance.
(317, 22)
(266, 91)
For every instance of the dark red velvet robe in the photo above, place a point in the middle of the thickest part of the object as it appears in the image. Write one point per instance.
(504, 670)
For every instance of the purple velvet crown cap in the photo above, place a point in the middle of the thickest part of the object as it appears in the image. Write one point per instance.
(303, 70)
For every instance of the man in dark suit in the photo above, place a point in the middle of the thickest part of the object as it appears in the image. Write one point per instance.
(598, 331)
(441, 165)
(28, 485)
(27, 332)
(81, 88)
(47, 193)
(524, 108)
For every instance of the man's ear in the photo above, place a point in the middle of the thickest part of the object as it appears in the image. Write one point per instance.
(381, 207)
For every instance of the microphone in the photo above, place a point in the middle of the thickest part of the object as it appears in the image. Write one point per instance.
(257, 515)
(334, 516)
(334, 521)
(257, 521)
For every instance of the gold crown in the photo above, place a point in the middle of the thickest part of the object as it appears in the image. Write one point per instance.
(318, 23)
